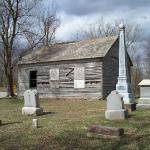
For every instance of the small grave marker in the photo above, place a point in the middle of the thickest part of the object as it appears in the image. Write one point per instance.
(105, 132)
(35, 123)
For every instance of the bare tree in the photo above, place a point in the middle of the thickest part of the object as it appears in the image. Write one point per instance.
(15, 14)
(45, 25)
(102, 29)
(146, 62)
(136, 75)
(48, 24)
(99, 29)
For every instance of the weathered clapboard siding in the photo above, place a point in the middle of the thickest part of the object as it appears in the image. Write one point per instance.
(65, 85)
(110, 69)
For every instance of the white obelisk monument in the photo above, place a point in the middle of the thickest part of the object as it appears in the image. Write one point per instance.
(123, 87)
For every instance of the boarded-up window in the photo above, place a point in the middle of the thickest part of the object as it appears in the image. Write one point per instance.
(54, 74)
(54, 78)
(79, 77)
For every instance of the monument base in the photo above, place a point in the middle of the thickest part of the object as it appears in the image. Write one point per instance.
(116, 114)
(143, 106)
(128, 98)
(124, 90)
(32, 111)
(144, 101)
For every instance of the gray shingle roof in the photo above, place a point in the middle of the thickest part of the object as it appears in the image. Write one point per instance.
(93, 48)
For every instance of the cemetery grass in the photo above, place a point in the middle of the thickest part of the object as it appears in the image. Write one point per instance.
(64, 127)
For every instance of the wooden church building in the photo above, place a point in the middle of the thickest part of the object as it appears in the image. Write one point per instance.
(84, 69)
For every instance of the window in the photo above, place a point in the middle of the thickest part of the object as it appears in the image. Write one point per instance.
(54, 78)
(79, 77)
(33, 79)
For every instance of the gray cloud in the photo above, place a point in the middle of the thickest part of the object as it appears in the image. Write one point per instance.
(85, 7)
(76, 14)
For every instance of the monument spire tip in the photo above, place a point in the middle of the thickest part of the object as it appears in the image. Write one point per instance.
(121, 26)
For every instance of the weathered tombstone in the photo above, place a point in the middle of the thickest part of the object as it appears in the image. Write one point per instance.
(31, 103)
(35, 123)
(115, 107)
(144, 101)
(105, 132)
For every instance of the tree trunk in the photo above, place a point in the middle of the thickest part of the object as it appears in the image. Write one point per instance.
(9, 73)
(10, 90)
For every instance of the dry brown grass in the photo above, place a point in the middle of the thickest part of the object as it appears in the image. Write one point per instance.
(64, 127)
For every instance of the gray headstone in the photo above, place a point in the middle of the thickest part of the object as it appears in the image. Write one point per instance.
(114, 101)
(31, 103)
(144, 101)
(31, 98)
(115, 107)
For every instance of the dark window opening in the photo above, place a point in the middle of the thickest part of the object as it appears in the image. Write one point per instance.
(33, 79)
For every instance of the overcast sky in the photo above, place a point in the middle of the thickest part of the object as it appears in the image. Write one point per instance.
(78, 14)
